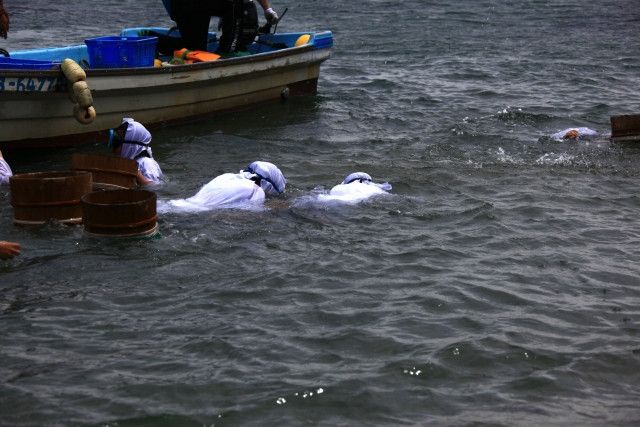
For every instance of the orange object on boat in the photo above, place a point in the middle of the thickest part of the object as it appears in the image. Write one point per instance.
(190, 56)
(302, 40)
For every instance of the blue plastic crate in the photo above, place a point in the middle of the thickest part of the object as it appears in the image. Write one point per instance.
(121, 52)
(26, 64)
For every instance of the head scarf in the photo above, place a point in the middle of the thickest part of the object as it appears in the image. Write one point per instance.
(365, 178)
(272, 181)
(137, 139)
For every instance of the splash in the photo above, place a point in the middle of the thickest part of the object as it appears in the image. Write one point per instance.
(503, 157)
(556, 159)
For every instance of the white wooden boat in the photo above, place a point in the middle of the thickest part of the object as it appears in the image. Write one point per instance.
(36, 110)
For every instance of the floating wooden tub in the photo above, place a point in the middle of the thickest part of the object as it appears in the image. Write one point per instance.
(42, 196)
(120, 213)
(625, 127)
(109, 172)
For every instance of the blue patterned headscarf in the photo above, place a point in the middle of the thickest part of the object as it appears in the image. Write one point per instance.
(365, 178)
(272, 181)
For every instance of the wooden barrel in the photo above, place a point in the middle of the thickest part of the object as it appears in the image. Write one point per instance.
(123, 213)
(109, 172)
(42, 196)
(625, 127)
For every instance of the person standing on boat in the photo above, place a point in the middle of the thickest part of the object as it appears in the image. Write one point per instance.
(132, 140)
(239, 22)
(246, 189)
(4, 21)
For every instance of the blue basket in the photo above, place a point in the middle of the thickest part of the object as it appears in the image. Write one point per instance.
(121, 52)
(26, 64)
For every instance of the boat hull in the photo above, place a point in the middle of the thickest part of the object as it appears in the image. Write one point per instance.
(153, 96)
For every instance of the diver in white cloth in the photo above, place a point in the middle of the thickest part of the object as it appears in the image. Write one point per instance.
(246, 189)
(356, 187)
(5, 170)
(132, 140)
(574, 134)
(7, 249)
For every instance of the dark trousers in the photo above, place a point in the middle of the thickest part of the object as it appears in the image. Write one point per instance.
(193, 17)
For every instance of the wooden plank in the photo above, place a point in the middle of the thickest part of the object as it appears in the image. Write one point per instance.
(626, 127)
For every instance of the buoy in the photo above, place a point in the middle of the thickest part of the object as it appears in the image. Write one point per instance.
(72, 71)
(71, 95)
(79, 92)
(82, 94)
(302, 40)
(84, 115)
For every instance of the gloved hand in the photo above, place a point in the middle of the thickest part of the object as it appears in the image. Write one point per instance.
(271, 16)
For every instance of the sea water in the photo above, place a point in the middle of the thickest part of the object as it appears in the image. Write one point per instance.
(498, 283)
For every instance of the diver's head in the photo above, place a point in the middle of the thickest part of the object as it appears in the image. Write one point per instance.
(130, 139)
(357, 176)
(268, 177)
(571, 134)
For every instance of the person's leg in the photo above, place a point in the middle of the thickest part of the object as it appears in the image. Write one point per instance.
(193, 23)
(230, 12)
(249, 24)
(193, 31)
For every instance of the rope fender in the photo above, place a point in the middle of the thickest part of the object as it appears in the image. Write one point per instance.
(79, 91)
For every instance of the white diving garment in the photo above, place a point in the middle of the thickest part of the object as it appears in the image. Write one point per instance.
(246, 189)
(583, 133)
(355, 188)
(137, 141)
(150, 169)
(5, 171)
(229, 190)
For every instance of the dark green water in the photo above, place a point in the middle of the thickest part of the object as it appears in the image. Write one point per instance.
(498, 285)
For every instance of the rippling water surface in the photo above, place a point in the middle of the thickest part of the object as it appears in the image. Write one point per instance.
(498, 284)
